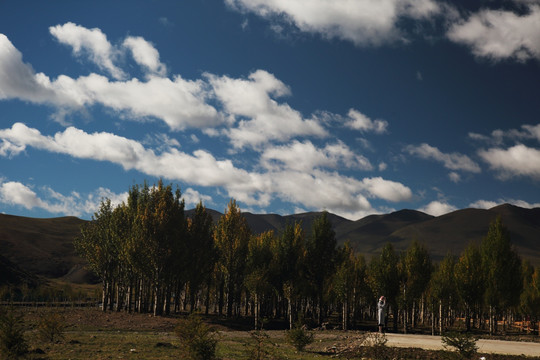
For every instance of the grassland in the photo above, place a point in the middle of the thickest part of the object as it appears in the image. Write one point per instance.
(91, 334)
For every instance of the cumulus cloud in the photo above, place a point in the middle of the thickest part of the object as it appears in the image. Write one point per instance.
(437, 208)
(193, 197)
(363, 22)
(90, 42)
(317, 188)
(178, 102)
(488, 204)
(358, 121)
(145, 54)
(260, 117)
(19, 194)
(453, 161)
(499, 137)
(518, 160)
(304, 156)
(499, 34)
(454, 177)
(18, 80)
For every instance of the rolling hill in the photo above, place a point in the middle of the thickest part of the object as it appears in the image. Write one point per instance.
(44, 247)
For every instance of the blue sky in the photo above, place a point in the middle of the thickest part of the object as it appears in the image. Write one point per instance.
(355, 107)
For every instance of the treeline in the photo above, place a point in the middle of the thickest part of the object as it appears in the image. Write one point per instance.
(152, 258)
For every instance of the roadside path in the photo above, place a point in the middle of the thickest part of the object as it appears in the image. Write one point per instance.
(484, 346)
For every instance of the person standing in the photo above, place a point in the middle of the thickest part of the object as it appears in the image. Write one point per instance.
(381, 313)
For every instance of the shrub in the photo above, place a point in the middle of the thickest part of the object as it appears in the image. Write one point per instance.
(260, 347)
(299, 338)
(197, 339)
(12, 342)
(51, 328)
(463, 343)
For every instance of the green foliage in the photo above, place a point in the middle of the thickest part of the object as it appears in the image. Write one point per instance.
(13, 344)
(384, 275)
(260, 347)
(197, 340)
(463, 343)
(51, 327)
(417, 268)
(299, 337)
(232, 236)
(502, 267)
(443, 281)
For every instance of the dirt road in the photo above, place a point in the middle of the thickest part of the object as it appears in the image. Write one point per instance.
(484, 346)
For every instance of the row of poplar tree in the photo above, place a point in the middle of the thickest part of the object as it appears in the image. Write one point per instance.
(151, 257)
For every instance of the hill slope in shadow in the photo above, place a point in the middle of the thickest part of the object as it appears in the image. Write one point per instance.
(44, 247)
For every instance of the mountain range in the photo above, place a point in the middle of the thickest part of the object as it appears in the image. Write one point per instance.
(32, 248)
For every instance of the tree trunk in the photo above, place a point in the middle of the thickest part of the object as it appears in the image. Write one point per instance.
(490, 320)
(256, 310)
(345, 315)
(104, 296)
(432, 319)
(290, 313)
(440, 317)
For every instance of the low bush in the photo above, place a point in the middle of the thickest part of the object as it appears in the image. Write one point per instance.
(51, 328)
(299, 338)
(13, 345)
(463, 343)
(197, 339)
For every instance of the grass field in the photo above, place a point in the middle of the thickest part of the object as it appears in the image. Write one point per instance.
(91, 334)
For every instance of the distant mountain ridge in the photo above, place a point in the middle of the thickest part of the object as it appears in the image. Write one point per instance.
(44, 247)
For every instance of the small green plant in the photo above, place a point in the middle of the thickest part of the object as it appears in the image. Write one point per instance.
(51, 328)
(260, 347)
(197, 340)
(13, 345)
(299, 338)
(375, 346)
(463, 343)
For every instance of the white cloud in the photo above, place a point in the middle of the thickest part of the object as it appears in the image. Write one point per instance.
(314, 189)
(304, 156)
(358, 121)
(18, 194)
(260, 118)
(15, 193)
(484, 204)
(91, 42)
(454, 177)
(363, 22)
(437, 208)
(179, 103)
(498, 34)
(145, 55)
(453, 161)
(518, 160)
(488, 204)
(18, 80)
(387, 189)
(193, 197)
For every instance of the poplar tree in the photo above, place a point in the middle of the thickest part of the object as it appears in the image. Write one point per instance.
(416, 273)
(258, 270)
(290, 257)
(201, 252)
(442, 290)
(470, 281)
(320, 258)
(530, 298)
(502, 271)
(98, 244)
(232, 236)
(349, 282)
(384, 277)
